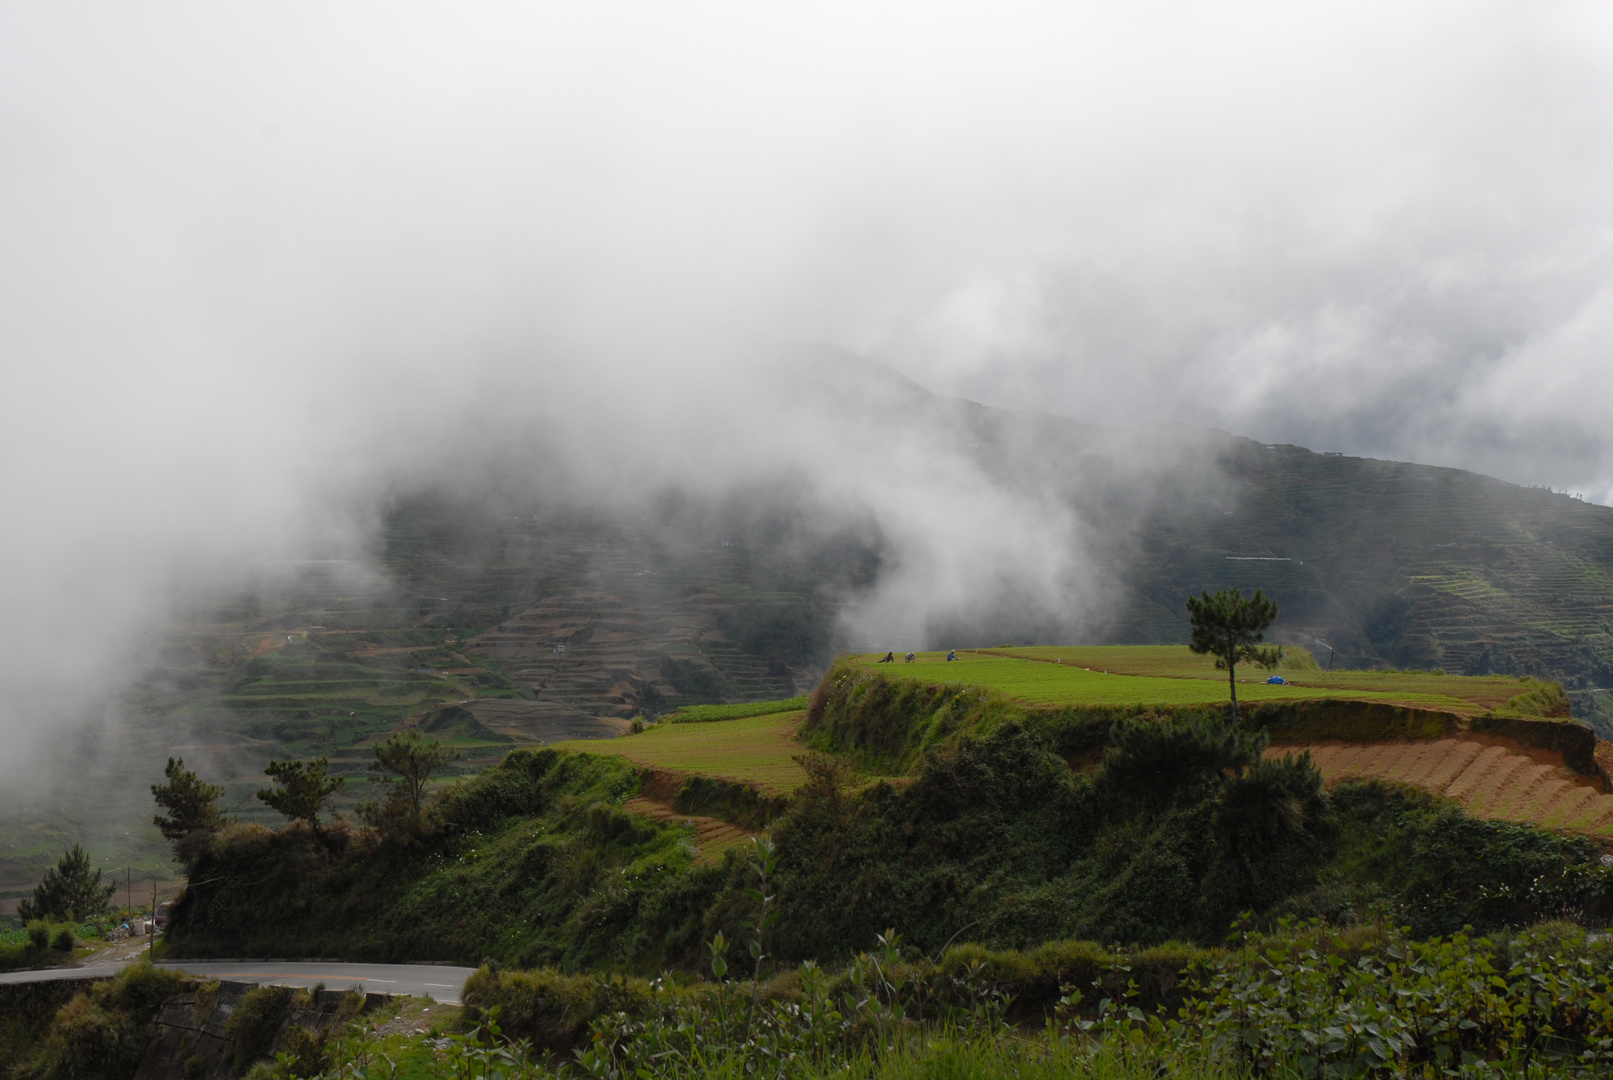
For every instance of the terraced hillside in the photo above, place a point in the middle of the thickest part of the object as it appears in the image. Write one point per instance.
(512, 629)
(457, 633)
(1488, 778)
(1397, 565)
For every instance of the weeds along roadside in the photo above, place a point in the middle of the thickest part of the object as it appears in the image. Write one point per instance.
(1298, 1002)
(52, 943)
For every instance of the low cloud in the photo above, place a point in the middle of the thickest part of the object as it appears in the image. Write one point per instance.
(265, 263)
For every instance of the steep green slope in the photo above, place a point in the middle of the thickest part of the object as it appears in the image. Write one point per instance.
(991, 837)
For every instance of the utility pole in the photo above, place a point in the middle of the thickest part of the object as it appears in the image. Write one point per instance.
(153, 949)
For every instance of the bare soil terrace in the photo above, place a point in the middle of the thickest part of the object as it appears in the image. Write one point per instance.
(1490, 778)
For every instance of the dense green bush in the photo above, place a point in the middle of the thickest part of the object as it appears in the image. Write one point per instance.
(1181, 828)
(43, 944)
(101, 1033)
(739, 803)
(886, 724)
(531, 862)
(1419, 861)
(1538, 1004)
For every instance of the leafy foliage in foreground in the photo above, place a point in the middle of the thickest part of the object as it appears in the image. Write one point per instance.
(1298, 1003)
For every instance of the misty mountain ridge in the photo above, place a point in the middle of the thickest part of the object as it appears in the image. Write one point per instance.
(515, 615)
(611, 611)
(1373, 563)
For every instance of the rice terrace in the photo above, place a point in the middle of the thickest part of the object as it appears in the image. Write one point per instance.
(1514, 770)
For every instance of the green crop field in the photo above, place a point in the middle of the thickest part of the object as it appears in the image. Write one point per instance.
(757, 750)
(760, 749)
(1173, 675)
(700, 713)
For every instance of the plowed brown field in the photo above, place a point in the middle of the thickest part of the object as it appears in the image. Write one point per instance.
(1489, 779)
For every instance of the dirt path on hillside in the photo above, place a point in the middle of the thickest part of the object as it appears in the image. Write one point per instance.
(1489, 778)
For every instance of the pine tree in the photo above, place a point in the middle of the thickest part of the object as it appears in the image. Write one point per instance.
(1230, 627)
(193, 814)
(404, 764)
(305, 788)
(69, 892)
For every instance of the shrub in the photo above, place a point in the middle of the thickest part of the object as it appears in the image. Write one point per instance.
(309, 1050)
(101, 1033)
(1181, 828)
(38, 934)
(1541, 699)
(253, 1025)
(63, 941)
(1302, 1002)
(553, 1010)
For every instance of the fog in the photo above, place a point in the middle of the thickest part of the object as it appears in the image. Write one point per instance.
(264, 263)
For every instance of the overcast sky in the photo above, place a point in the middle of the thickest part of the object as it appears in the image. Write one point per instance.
(1383, 229)
(254, 255)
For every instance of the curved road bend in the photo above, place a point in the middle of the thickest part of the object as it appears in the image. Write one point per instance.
(441, 984)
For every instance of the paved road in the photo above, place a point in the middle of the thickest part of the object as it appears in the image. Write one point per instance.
(420, 980)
